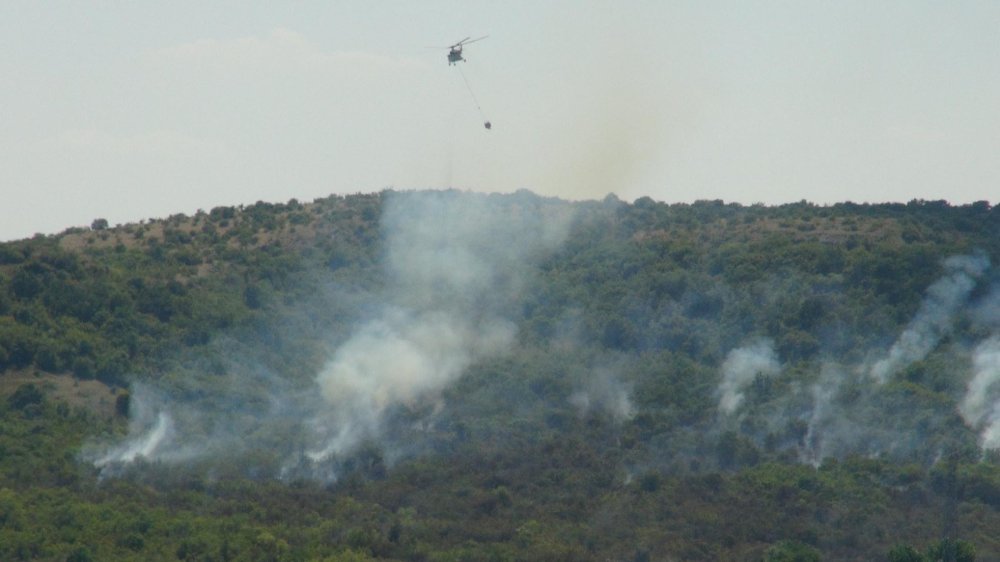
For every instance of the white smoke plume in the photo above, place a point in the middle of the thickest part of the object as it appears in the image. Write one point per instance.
(144, 445)
(456, 264)
(980, 408)
(603, 391)
(217, 404)
(401, 358)
(741, 367)
(824, 416)
(934, 319)
(151, 432)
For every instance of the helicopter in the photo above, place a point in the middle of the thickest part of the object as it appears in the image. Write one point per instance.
(455, 54)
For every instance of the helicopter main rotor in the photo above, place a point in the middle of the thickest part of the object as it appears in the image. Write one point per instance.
(466, 41)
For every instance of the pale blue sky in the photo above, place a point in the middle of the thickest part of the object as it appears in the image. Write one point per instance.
(132, 110)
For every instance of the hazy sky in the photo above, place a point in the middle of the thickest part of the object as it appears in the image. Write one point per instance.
(133, 110)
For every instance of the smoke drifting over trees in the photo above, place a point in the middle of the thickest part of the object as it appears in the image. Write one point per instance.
(934, 320)
(981, 405)
(846, 411)
(456, 273)
(454, 269)
(455, 266)
(740, 368)
(423, 370)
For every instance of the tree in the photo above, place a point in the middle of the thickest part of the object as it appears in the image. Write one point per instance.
(791, 551)
(122, 404)
(80, 554)
(906, 553)
(26, 395)
(952, 550)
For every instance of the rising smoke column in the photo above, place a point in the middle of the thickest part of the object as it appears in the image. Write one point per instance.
(864, 425)
(831, 430)
(980, 408)
(455, 265)
(740, 368)
(603, 391)
(934, 319)
(152, 435)
(402, 357)
(197, 418)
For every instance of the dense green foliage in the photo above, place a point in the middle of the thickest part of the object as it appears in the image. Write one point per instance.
(649, 296)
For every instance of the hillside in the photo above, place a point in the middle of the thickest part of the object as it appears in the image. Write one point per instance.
(455, 376)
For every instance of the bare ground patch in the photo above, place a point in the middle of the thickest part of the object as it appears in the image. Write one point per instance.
(90, 395)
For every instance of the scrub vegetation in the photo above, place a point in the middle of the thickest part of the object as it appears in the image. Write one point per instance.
(454, 376)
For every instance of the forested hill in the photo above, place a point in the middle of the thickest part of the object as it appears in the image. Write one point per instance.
(456, 376)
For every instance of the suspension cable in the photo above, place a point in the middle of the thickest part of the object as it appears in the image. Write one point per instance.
(486, 122)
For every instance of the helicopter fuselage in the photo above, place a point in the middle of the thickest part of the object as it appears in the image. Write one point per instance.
(455, 55)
